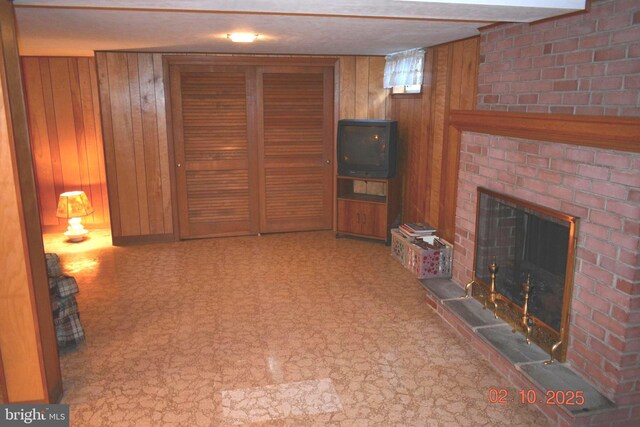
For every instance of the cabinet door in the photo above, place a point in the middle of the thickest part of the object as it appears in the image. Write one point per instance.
(362, 218)
(349, 217)
(373, 220)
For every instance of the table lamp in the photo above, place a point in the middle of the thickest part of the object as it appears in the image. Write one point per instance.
(73, 205)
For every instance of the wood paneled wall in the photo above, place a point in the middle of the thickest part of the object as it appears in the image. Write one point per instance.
(64, 125)
(135, 136)
(132, 98)
(430, 147)
(361, 93)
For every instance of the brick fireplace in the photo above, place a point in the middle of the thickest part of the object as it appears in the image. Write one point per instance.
(605, 336)
(583, 64)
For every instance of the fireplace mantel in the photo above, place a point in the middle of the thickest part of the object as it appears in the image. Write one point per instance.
(608, 132)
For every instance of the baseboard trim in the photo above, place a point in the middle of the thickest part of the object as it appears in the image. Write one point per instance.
(142, 240)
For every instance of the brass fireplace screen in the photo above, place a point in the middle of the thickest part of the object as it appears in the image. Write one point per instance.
(523, 267)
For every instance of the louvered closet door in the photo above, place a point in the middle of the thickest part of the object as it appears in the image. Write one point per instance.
(296, 148)
(216, 161)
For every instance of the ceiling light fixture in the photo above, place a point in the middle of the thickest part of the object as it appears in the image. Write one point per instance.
(243, 37)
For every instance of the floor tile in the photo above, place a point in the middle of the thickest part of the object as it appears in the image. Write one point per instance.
(178, 332)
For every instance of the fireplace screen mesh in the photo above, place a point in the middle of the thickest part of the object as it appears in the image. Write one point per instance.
(524, 242)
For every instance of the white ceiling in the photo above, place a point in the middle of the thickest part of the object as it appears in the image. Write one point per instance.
(355, 27)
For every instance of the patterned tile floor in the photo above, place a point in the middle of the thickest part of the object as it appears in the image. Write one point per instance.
(294, 329)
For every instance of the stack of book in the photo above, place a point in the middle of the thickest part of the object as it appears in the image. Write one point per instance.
(416, 230)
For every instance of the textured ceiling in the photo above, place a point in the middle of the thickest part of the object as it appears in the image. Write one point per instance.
(360, 27)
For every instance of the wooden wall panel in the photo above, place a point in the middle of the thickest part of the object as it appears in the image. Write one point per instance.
(361, 93)
(430, 148)
(362, 87)
(64, 126)
(377, 96)
(30, 370)
(440, 110)
(462, 96)
(18, 339)
(135, 139)
(347, 87)
(132, 99)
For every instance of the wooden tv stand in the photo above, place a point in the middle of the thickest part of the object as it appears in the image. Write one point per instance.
(368, 207)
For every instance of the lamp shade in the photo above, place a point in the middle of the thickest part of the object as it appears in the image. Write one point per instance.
(73, 204)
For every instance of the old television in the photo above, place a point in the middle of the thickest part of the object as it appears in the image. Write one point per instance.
(367, 148)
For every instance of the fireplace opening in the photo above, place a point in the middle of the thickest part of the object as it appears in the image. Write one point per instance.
(524, 258)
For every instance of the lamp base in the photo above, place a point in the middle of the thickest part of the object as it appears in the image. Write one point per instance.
(75, 231)
(75, 236)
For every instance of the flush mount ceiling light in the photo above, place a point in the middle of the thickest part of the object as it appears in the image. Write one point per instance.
(242, 37)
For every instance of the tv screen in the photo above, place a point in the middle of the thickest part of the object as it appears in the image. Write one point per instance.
(367, 148)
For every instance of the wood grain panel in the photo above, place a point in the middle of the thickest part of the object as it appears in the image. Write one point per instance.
(42, 155)
(150, 144)
(122, 127)
(612, 133)
(91, 151)
(423, 165)
(135, 143)
(62, 107)
(109, 144)
(440, 110)
(347, 66)
(468, 83)
(18, 339)
(163, 143)
(412, 158)
(362, 88)
(377, 99)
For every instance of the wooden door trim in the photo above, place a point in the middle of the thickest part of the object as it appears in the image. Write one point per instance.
(178, 142)
(20, 147)
(261, 182)
(253, 157)
(334, 158)
(166, 71)
(330, 135)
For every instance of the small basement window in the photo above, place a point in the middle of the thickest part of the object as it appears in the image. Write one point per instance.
(403, 71)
